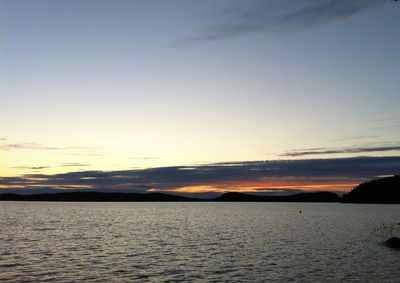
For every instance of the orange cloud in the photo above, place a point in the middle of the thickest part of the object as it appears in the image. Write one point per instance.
(262, 187)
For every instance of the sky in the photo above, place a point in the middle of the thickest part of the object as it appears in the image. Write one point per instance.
(98, 94)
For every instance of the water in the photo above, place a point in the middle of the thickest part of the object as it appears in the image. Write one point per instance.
(195, 242)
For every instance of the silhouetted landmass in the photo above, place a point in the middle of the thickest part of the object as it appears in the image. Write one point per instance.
(384, 190)
(134, 197)
(302, 197)
(95, 197)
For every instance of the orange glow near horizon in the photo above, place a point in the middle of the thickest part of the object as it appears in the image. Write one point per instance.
(263, 187)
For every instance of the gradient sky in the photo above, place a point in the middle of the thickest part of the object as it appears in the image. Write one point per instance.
(121, 85)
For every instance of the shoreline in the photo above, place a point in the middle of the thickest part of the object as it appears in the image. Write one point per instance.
(314, 197)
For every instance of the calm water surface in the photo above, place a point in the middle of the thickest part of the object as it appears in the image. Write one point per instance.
(196, 242)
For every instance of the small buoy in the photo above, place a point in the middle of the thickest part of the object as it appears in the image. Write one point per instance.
(300, 211)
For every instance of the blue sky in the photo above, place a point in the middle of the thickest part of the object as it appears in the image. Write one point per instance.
(116, 85)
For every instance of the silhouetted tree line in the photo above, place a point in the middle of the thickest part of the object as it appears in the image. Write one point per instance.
(94, 197)
(384, 190)
(134, 197)
(302, 197)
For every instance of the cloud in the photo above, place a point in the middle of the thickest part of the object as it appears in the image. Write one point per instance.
(281, 16)
(86, 153)
(70, 150)
(32, 167)
(73, 164)
(39, 146)
(26, 145)
(385, 120)
(361, 137)
(324, 151)
(15, 181)
(258, 175)
(144, 158)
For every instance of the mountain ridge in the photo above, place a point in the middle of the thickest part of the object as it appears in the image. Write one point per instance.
(383, 190)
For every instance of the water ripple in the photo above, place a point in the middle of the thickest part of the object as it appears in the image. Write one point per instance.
(194, 242)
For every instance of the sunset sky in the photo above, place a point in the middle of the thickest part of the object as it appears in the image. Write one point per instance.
(198, 96)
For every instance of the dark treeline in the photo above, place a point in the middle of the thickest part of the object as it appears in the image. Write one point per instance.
(384, 190)
(157, 197)
(302, 197)
(95, 197)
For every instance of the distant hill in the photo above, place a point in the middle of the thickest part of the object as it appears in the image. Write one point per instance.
(302, 197)
(158, 197)
(95, 197)
(384, 190)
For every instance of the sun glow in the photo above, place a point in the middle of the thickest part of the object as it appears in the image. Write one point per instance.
(262, 187)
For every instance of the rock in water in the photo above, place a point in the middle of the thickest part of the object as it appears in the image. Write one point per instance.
(393, 242)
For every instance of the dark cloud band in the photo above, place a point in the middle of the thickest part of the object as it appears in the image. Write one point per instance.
(324, 151)
(166, 178)
(281, 16)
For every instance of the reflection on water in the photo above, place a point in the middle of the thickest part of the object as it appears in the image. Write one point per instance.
(210, 242)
